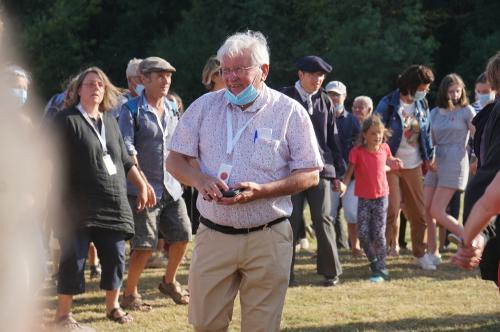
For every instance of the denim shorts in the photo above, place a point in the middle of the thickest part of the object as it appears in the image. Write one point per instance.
(168, 217)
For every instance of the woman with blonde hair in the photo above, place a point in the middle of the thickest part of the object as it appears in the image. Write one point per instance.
(94, 194)
(210, 77)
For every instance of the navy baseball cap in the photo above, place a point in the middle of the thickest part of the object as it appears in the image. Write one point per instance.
(312, 64)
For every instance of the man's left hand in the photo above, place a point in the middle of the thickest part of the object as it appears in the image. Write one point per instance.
(338, 186)
(249, 192)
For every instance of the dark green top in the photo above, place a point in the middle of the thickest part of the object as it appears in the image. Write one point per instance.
(92, 197)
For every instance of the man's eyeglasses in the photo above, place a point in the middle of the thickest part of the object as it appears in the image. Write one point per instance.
(237, 71)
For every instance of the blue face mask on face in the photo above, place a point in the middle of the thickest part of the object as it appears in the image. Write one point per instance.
(484, 99)
(419, 95)
(248, 95)
(20, 96)
(138, 89)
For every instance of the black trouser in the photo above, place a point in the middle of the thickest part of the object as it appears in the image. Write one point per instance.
(318, 198)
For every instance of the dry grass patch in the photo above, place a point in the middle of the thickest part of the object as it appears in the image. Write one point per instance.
(415, 300)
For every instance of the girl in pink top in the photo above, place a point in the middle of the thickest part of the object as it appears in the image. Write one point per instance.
(369, 161)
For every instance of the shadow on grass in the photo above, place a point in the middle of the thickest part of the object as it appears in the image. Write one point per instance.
(354, 269)
(472, 323)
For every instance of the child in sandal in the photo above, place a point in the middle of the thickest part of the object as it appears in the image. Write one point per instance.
(369, 162)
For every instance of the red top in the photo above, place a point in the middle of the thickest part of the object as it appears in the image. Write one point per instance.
(369, 171)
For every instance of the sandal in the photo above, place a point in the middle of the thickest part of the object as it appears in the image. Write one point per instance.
(68, 323)
(135, 303)
(175, 291)
(117, 315)
(185, 291)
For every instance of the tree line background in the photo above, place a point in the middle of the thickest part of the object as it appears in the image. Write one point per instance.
(368, 42)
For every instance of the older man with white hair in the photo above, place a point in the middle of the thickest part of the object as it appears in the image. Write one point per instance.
(255, 147)
(133, 74)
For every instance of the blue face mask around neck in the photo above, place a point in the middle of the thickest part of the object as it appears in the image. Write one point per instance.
(248, 95)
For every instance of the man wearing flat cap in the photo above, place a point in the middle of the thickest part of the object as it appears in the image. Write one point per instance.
(309, 93)
(147, 123)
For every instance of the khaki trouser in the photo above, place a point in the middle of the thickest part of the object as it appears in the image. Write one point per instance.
(406, 185)
(255, 264)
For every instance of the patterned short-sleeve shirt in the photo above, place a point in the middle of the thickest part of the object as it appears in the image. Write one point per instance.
(289, 144)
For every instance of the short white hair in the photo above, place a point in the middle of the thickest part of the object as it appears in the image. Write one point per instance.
(133, 67)
(366, 100)
(250, 41)
(17, 71)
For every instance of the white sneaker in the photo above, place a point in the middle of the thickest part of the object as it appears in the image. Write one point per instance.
(298, 247)
(426, 263)
(304, 243)
(435, 259)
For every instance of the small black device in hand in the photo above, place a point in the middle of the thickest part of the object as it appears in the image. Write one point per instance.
(231, 192)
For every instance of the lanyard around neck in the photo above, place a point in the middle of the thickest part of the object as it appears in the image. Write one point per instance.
(232, 140)
(100, 135)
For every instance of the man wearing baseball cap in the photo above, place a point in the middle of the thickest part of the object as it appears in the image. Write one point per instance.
(147, 123)
(349, 129)
(309, 93)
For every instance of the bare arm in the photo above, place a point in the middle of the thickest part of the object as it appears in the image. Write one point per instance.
(468, 256)
(348, 174)
(137, 181)
(472, 129)
(485, 208)
(151, 193)
(180, 166)
(188, 173)
(297, 181)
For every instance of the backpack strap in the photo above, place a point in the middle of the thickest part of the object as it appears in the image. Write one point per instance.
(133, 108)
(173, 107)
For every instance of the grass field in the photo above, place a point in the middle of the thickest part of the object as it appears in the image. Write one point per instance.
(415, 300)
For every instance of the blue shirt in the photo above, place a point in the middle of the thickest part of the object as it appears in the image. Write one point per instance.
(148, 140)
(349, 129)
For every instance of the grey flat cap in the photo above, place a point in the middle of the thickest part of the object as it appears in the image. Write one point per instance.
(155, 63)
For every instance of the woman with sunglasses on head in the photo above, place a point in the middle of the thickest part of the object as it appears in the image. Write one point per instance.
(405, 112)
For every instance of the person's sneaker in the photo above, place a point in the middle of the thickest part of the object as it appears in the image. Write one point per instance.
(425, 262)
(304, 243)
(67, 323)
(435, 259)
(95, 271)
(384, 274)
(331, 281)
(376, 278)
(157, 261)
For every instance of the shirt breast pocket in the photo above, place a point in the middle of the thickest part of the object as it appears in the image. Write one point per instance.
(264, 154)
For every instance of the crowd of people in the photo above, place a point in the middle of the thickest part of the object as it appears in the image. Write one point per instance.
(237, 167)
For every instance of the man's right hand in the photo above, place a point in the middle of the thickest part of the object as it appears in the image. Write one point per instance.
(210, 188)
(151, 196)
